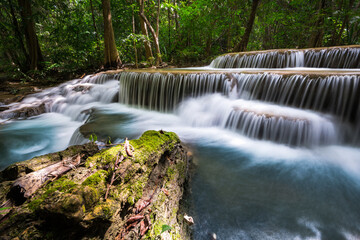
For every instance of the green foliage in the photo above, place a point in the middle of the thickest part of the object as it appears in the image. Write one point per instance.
(189, 31)
(4, 209)
(93, 137)
(165, 228)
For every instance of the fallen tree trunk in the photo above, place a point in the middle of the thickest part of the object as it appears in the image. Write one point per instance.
(143, 180)
(24, 187)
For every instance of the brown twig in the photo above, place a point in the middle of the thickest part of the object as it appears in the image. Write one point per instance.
(116, 167)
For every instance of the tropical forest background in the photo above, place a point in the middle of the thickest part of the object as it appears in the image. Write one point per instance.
(67, 37)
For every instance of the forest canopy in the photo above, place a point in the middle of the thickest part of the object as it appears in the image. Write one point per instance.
(47, 36)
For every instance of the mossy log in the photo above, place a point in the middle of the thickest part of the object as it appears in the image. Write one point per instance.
(24, 187)
(145, 195)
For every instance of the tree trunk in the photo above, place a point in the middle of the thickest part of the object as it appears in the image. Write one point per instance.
(74, 205)
(112, 58)
(24, 187)
(153, 32)
(135, 49)
(169, 27)
(147, 45)
(30, 34)
(241, 47)
(318, 32)
(176, 18)
(94, 24)
(19, 36)
(336, 40)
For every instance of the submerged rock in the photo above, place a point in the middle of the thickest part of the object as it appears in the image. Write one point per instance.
(24, 112)
(144, 194)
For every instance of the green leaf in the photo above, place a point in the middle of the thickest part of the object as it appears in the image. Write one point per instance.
(4, 208)
(165, 228)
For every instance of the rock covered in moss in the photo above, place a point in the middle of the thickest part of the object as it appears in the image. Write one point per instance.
(147, 186)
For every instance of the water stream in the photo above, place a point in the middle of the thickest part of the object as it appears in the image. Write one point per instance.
(277, 154)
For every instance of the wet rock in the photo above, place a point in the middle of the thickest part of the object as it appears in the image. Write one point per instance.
(2, 108)
(82, 88)
(24, 112)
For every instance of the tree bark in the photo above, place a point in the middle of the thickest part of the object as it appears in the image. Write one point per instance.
(30, 34)
(19, 36)
(176, 18)
(318, 32)
(169, 28)
(147, 45)
(24, 187)
(241, 47)
(153, 33)
(95, 28)
(133, 29)
(112, 58)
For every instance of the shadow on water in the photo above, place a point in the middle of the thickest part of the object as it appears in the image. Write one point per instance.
(237, 197)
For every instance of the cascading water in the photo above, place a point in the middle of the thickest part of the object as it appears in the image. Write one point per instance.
(276, 150)
(65, 107)
(336, 57)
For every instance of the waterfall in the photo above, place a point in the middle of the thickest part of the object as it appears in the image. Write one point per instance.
(273, 147)
(337, 57)
(259, 120)
(73, 98)
(272, 59)
(334, 94)
(332, 98)
(164, 91)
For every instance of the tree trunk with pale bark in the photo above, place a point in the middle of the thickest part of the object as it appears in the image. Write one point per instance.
(147, 45)
(154, 33)
(112, 58)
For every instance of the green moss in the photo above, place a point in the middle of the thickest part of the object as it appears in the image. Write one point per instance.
(104, 210)
(131, 200)
(181, 169)
(138, 190)
(62, 184)
(90, 195)
(95, 179)
(174, 211)
(157, 228)
(152, 141)
(71, 203)
(104, 157)
(35, 204)
(170, 173)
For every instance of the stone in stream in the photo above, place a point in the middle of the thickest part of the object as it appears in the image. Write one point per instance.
(73, 205)
(24, 112)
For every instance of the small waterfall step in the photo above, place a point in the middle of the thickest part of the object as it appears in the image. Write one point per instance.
(338, 94)
(260, 120)
(72, 98)
(330, 57)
